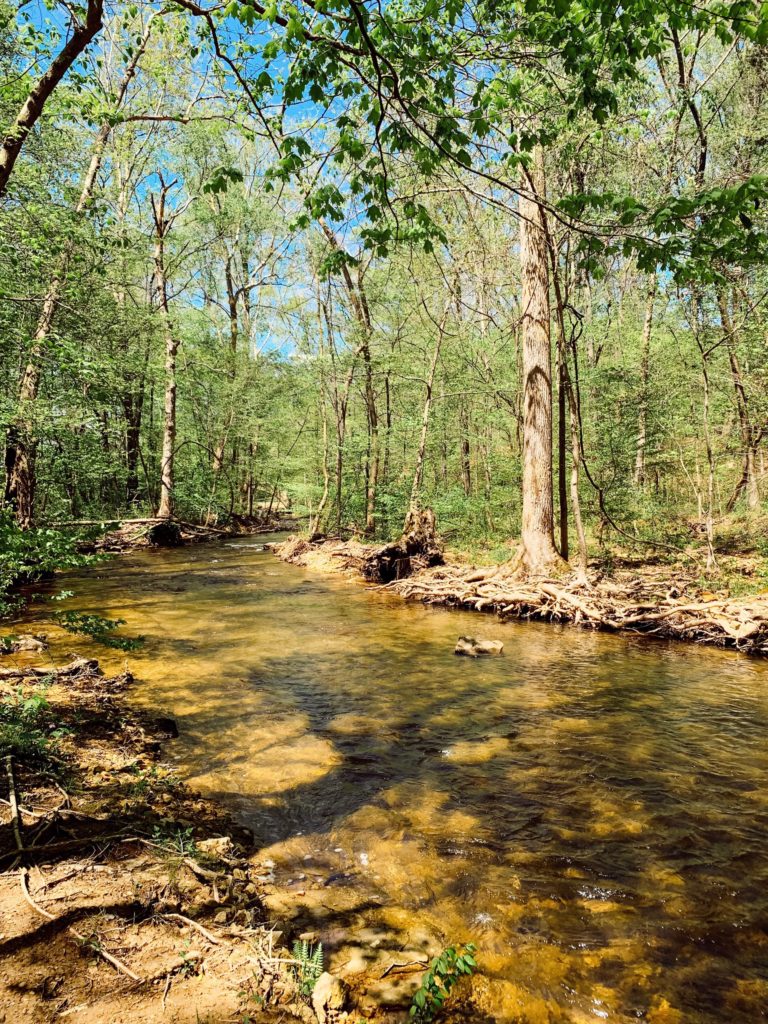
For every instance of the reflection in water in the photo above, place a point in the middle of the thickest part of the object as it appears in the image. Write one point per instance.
(591, 810)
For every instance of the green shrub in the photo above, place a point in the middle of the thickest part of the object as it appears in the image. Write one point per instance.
(27, 730)
(29, 555)
(436, 985)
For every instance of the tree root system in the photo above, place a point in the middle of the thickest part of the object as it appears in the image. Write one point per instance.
(660, 603)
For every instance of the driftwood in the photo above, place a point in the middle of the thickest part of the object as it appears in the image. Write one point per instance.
(74, 668)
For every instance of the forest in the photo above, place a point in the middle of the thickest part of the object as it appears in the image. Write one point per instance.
(471, 298)
(346, 260)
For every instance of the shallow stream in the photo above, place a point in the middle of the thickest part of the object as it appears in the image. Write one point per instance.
(590, 810)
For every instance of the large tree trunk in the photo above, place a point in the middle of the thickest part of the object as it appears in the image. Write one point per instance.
(33, 105)
(415, 502)
(538, 551)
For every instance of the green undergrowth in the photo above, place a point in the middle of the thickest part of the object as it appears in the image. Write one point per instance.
(27, 556)
(29, 731)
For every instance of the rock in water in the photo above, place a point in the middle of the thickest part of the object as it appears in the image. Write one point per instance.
(329, 997)
(474, 647)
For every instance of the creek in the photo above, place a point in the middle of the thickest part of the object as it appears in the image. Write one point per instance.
(590, 810)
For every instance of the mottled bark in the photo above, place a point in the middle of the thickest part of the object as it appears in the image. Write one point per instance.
(645, 371)
(538, 551)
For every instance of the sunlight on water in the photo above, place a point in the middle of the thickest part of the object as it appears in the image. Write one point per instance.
(591, 810)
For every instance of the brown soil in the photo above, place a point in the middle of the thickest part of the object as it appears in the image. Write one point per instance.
(131, 899)
(659, 599)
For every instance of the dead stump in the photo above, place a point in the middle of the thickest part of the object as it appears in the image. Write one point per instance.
(417, 548)
(165, 534)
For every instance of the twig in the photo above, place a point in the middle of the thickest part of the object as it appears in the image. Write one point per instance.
(408, 963)
(117, 964)
(14, 802)
(166, 989)
(198, 927)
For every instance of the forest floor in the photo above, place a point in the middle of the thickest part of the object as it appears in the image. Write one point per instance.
(656, 596)
(124, 896)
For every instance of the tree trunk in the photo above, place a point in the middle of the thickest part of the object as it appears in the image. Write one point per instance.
(418, 472)
(464, 449)
(33, 105)
(645, 370)
(359, 302)
(162, 227)
(750, 438)
(538, 551)
(562, 489)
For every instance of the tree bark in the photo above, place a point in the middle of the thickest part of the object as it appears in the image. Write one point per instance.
(645, 371)
(750, 437)
(359, 302)
(538, 551)
(418, 472)
(162, 227)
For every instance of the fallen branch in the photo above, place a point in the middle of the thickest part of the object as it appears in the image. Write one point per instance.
(198, 927)
(14, 802)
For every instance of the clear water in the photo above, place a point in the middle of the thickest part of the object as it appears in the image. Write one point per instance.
(591, 810)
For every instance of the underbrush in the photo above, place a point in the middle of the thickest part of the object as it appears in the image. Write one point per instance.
(28, 731)
(30, 555)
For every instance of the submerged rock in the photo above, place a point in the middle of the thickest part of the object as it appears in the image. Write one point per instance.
(474, 647)
(329, 997)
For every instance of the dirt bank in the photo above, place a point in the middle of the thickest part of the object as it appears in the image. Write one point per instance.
(124, 896)
(656, 599)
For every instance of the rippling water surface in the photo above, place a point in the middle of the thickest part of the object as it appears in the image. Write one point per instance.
(591, 810)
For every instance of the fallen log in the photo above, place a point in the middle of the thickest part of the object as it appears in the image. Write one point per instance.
(74, 668)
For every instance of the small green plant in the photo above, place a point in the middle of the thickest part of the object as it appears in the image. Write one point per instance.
(309, 964)
(179, 841)
(99, 629)
(436, 985)
(154, 778)
(27, 730)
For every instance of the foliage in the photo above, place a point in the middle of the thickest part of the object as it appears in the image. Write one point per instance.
(174, 840)
(99, 629)
(386, 178)
(29, 555)
(309, 964)
(444, 972)
(27, 730)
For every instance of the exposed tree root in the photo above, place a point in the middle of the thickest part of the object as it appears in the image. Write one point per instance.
(638, 605)
(662, 606)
